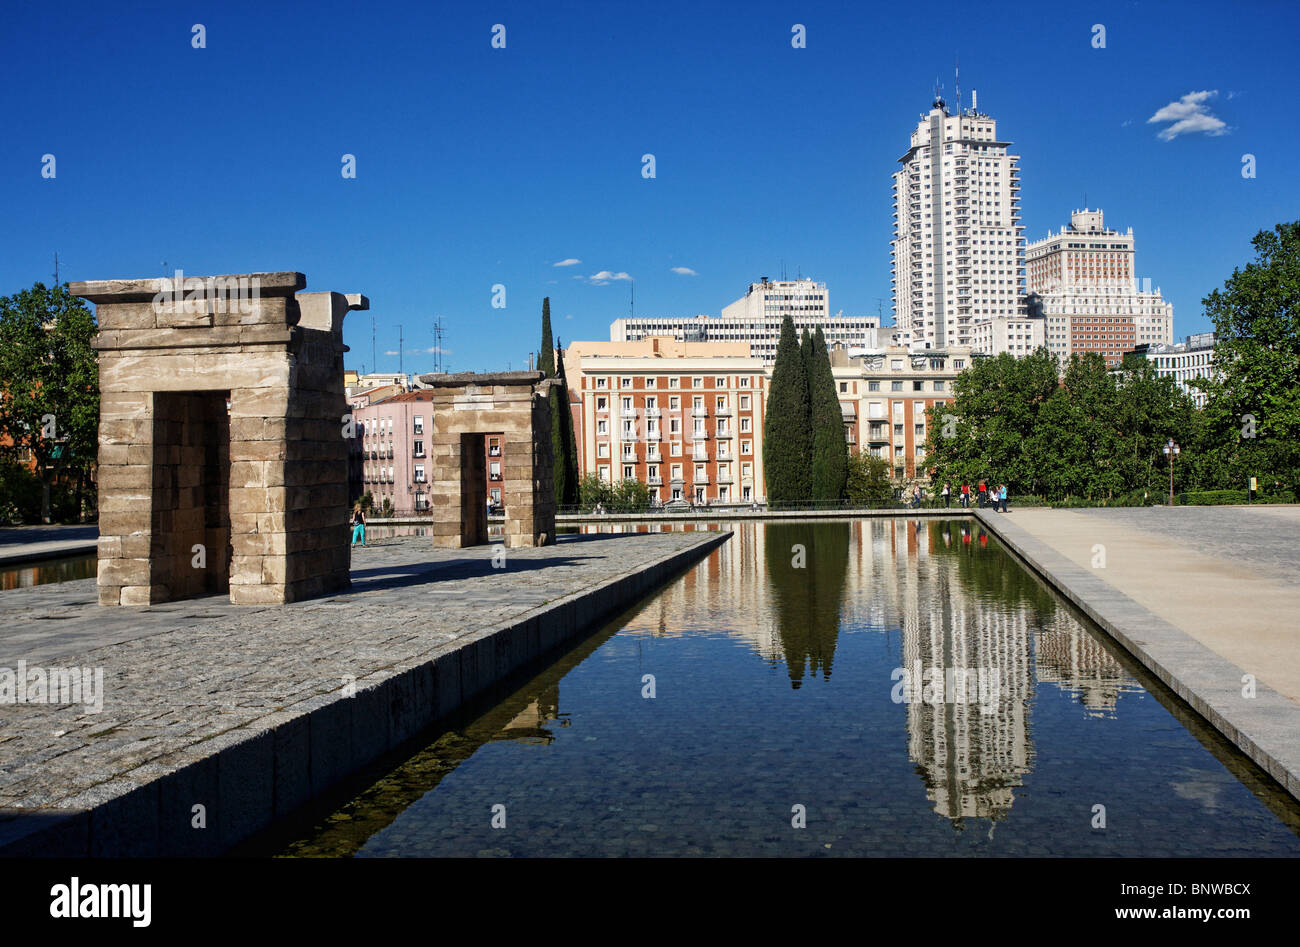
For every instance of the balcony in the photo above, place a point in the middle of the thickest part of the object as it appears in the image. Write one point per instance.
(701, 478)
(699, 412)
(629, 412)
(652, 412)
(700, 435)
(725, 432)
(725, 478)
(723, 411)
(655, 481)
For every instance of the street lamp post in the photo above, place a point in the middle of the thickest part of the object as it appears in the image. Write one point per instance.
(1171, 451)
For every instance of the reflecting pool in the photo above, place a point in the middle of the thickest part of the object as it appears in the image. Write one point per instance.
(881, 687)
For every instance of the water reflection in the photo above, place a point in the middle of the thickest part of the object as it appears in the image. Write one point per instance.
(750, 717)
(47, 571)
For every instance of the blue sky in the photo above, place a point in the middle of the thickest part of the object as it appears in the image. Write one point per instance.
(478, 166)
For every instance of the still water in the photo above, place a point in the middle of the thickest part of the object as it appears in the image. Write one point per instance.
(24, 576)
(776, 664)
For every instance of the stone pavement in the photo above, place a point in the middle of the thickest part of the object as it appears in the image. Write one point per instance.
(190, 680)
(29, 543)
(1202, 596)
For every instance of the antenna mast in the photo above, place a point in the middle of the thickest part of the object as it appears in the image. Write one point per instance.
(56, 269)
(437, 345)
(400, 368)
(373, 360)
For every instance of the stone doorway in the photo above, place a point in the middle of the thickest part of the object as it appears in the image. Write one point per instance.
(467, 408)
(189, 515)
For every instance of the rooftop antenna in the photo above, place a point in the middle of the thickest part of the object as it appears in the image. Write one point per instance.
(400, 369)
(633, 304)
(56, 269)
(437, 345)
(956, 71)
(373, 360)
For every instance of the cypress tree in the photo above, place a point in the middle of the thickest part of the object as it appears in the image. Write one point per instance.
(830, 450)
(787, 434)
(563, 442)
(546, 354)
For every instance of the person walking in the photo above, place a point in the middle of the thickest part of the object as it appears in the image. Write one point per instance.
(1002, 495)
(947, 495)
(358, 525)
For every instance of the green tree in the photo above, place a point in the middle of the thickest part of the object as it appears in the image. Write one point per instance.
(563, 441)
(787, 434)
(1253, 414)
(829, 450)
(593, 490)
(49, 388)
(630, 496)
(546, 354)
(867, 478)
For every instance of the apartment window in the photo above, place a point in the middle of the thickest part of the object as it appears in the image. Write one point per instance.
(602, 426)
(959, 363)
(676, 449)
(918, 386)
(419, 473)
(603, 471)
(895, 386)
(629, 472)
(674, 383)
(697, 382)
(419, 425)
(719, 383)
(674, 403)
(602, 383)
(417, 448)
(626, 382)
(873, 386)
(742, 382)
(602, 450)
(602, 404)
(938, 385)
(494, 470)
(744, 402)
(674, 425)
(747, 447)
(677, 472)
(650, 382)
(629, 450)
(744, 425)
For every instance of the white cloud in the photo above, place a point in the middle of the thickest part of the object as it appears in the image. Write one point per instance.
(605, 277)
(684, 271)
(569, 316)
(1189, 116)
(434, 350)
(571, 261)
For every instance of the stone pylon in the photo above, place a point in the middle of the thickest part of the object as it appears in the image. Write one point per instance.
(222, 453)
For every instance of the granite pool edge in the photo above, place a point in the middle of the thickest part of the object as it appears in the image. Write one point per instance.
(1263, 727)
(258, 773)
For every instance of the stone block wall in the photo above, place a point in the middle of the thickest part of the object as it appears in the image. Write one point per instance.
(263, 487)
(465, 407)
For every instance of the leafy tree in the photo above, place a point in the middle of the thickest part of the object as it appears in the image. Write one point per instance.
(1257, 352)
(630, 496)
(830, 450)
(593, 490)
(787, 434)
(49, 387)
(867, 478)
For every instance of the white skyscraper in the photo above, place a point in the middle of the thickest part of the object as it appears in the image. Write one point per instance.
(958, 253)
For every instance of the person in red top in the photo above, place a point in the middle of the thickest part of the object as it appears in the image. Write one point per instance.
(965, 495)
(984, 492)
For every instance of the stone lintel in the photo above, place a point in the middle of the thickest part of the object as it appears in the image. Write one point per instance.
(481, 379)
(145, 289)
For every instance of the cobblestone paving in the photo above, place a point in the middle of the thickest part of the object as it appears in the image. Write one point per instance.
(179, 674)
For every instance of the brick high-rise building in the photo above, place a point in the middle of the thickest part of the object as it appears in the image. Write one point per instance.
(1086, 278)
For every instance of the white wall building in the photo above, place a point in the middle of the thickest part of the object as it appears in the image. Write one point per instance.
(1193, 358)
(756, 318)
(958, 253)
(1086, 277)
(1018, 335)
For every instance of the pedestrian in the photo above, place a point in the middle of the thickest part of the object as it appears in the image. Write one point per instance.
(358, 525)
(916, 497)
(965, 496)
(1002, 495)
(947, 495)
(983, 494)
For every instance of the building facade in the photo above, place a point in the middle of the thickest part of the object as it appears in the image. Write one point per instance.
(756, 319)
(958, 247)
(1017, 335)
(391, 453)
(1184, 361)
(1085, 277)
(885, 396)
(686, 418)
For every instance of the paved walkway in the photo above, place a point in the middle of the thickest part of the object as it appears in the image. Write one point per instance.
(1227, 576)
(179, 674)
(27, 543)
(1202, 596)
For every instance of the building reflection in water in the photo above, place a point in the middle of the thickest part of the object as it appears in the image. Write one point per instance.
(950, 597)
